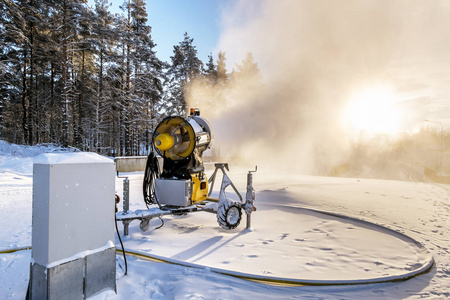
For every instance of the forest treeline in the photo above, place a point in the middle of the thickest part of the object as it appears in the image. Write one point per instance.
(80, 76)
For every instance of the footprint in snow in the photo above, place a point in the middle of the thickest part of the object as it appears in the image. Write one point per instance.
(252, 256)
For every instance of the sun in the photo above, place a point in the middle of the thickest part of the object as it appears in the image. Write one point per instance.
(373, 111)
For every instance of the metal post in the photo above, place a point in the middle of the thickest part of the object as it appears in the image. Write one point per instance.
(126, 204)
(250, 198)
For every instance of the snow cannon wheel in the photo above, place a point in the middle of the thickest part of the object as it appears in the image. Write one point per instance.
(144, 225)
(229, 214)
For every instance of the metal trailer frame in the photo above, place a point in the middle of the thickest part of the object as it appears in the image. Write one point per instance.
(209, 205)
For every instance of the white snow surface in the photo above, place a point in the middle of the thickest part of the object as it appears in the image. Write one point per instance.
(285, 239)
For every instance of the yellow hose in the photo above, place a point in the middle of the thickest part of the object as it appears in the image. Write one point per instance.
(255, 278)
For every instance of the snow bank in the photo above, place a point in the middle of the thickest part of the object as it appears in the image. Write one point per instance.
(24, 151)
(18, 159)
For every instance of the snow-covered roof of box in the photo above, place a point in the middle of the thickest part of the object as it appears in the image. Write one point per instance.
(70, 158)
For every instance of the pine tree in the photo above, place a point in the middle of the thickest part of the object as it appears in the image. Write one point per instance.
(185, 68)
(68, 27)
(142, 79)
(78, 76)
(146, 84)
(246, 80)
(4, 86)
(103, 41)
(38, 69)
(15, 35)
(223, 77)
(211, 70)
(248, 72)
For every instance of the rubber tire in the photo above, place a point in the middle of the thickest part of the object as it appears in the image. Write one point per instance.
(222, 214)
(144, 225)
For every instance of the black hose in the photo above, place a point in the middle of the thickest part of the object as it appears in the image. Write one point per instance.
(148, 186)
(151, 173)
(123, 249)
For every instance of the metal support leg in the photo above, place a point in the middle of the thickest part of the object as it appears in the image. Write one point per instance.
(212, 179)
(250, 198)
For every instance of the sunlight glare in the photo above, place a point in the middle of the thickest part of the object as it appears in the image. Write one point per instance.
(373, 111)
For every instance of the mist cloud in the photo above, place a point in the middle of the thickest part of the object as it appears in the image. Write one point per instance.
(313, 55)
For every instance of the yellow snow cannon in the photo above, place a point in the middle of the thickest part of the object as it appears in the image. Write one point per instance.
(181, 143)
(180, 185)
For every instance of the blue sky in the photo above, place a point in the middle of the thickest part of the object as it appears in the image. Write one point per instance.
(170, 19)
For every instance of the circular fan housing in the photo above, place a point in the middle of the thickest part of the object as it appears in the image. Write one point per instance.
(174, 138)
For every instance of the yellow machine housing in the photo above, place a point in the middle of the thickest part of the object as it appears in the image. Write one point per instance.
(199, 187)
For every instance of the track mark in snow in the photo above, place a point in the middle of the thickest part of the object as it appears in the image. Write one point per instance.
(8, 264)
(185, 228)
(195, 296)
(285, 235)
(413, 267)
(378, 292)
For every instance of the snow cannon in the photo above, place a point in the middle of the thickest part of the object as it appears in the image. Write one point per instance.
(180, 186)
(181, 143)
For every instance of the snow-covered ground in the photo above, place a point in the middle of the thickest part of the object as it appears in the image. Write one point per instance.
(286, 240)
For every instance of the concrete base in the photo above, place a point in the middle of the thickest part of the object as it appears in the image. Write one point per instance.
(76, 279)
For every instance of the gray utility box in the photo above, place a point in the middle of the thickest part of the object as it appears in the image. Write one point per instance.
(173, 192)
(73, 252)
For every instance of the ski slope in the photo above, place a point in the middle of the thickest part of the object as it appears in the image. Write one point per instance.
(286, 240)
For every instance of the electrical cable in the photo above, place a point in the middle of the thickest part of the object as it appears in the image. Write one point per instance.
(151, 173)
(162, 223)
(123, 249)
(148, 185)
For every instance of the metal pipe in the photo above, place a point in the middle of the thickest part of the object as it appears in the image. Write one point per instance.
(126, 203)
